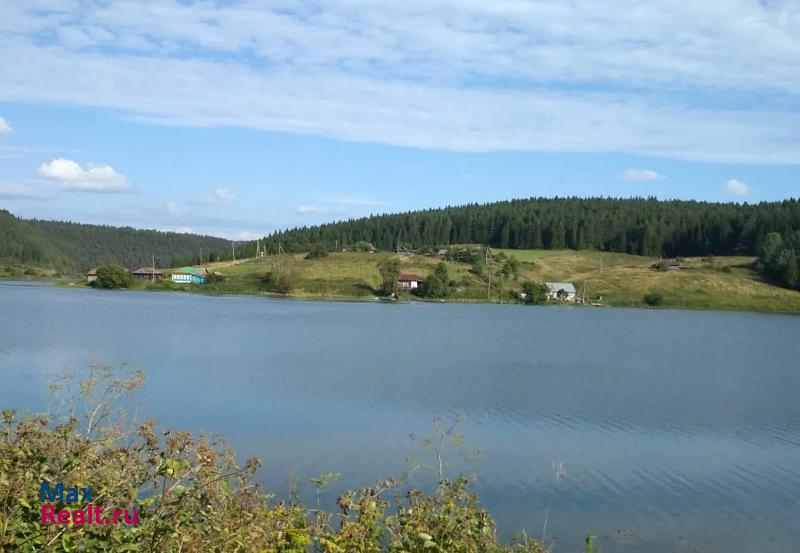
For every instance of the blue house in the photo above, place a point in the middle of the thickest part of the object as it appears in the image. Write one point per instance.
(190, 275)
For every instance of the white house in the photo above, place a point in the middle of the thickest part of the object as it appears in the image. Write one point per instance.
(190, 275)
(561, 291)
(407, 281)
(91, 274)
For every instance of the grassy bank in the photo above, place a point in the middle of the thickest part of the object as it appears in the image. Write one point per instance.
(17, 271)
(726, 283)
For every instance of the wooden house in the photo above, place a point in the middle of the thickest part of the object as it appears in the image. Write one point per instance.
(147, 273)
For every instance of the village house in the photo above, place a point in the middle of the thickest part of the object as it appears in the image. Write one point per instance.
(91, 274)
(190, 275)
(561, 291)
(408, 281)
(147, 273)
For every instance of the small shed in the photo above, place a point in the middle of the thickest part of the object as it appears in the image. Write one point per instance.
(442, 252)
(190, 275)
(561, 291)
(91, 274)
(409, 281)
(147, 273)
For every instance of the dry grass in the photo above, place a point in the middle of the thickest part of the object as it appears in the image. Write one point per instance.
(620, 279)
(624, 280)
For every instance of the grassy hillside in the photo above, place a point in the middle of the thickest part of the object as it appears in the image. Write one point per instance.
(621, 279)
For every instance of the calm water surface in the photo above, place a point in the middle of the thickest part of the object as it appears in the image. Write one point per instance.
(679, 431)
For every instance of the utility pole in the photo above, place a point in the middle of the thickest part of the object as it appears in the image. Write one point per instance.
(153, 273)
(233, 250)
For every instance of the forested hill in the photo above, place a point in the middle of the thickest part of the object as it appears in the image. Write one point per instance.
(637, 226)
(74, 247)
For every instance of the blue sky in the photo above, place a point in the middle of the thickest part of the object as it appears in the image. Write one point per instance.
(239, 117)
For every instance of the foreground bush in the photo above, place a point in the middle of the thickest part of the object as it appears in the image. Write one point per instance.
(112, 276)
(192, 496)
(653, 299)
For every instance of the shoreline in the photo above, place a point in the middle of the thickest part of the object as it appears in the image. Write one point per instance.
(408, 299)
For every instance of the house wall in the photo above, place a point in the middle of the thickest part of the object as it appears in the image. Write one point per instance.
(188, 279)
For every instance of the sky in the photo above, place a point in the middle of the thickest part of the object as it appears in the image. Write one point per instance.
(237, 118)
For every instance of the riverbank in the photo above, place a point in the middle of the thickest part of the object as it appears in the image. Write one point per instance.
(621, 280)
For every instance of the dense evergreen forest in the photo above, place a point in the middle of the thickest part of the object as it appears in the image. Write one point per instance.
(636, 226)
(74, 247)
(779, 258)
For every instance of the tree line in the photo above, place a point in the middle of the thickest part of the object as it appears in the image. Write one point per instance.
(74, 247)
(641, 226)
(778, 258)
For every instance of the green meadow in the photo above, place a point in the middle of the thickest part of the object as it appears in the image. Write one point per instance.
(613, 279)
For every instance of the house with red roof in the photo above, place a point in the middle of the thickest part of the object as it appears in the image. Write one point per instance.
(409, 281)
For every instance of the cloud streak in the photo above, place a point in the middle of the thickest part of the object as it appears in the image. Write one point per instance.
(220, 197)
(640, 175)
(21, 191)
(315, 210)
(577, 76)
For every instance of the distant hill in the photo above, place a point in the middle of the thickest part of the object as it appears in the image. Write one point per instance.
(75, 247)
(635, 226)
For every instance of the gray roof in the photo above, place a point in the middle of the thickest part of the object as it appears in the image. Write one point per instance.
(568, 287)
(146, 271)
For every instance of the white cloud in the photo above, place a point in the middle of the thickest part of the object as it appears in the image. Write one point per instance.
(5, 127)
(17, 190)
(312, 209)
(640, 175)
(94, 178)
(221, 196)
(224, 195)
(736, 188)
(402, 73)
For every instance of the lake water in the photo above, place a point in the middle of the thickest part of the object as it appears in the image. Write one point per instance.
(679, 431)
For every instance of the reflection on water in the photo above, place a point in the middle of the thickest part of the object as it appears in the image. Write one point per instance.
(680, 431)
